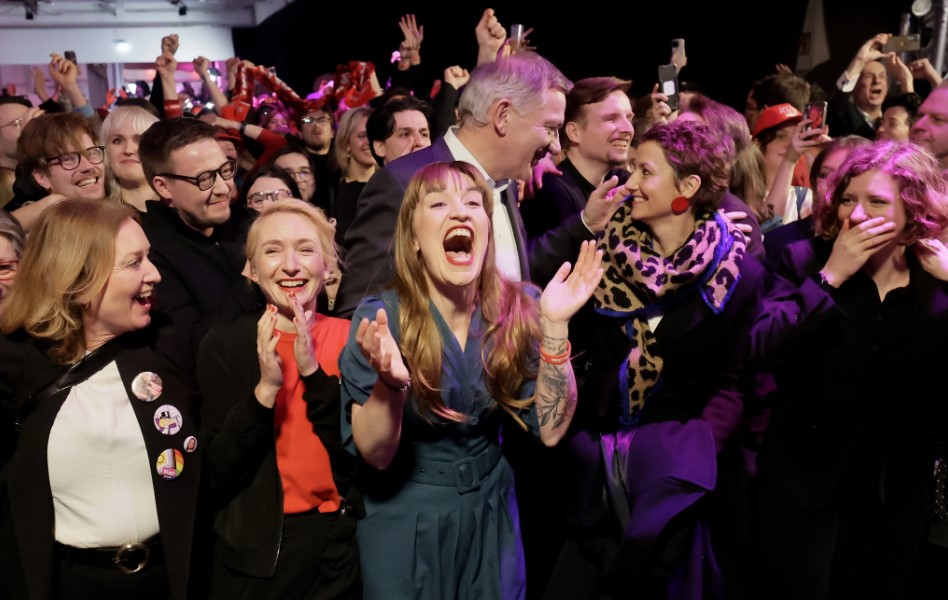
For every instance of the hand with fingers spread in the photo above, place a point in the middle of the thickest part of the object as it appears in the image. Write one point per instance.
(410, 47)
(380, 349)
(853, 247)
(570, 290)
(303, 349)
(872, 48)
(932, 254)
(271, 367)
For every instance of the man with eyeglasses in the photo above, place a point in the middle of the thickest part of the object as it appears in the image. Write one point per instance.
(316, 133)
(15, 113)
(194, 181)
(62, 155)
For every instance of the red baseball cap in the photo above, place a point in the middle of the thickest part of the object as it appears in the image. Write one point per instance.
(774, 116)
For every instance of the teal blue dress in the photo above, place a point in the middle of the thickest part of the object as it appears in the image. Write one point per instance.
(441, 522)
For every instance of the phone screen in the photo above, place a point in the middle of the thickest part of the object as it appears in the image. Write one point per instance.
(815, 112)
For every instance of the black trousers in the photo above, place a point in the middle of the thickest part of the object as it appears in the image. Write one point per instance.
(319, 560)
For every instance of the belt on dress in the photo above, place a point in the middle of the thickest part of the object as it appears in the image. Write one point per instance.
(465, 474)
(128, 559)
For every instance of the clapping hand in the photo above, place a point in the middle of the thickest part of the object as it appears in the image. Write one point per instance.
(271, 367)
(380, 349)
(303, 349)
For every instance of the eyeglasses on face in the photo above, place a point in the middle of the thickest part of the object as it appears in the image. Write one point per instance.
(8, 269)
(205, 181)
(69, 161)
(323, 120)
(257, 199)
(300, 175)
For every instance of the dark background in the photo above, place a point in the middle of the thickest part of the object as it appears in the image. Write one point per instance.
(729, 44)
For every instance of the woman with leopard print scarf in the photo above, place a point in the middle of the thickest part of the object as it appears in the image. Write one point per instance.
(665, 343)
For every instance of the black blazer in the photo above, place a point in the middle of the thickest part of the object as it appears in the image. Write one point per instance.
(240, 448)
(705, 375)
(25, 370)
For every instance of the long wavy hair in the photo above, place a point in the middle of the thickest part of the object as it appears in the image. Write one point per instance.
(511, 314)
(67, 262)
(922, 188)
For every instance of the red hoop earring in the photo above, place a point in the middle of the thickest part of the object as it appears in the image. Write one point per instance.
(679, 205)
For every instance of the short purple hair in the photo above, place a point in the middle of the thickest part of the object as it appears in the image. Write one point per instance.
(693, 148)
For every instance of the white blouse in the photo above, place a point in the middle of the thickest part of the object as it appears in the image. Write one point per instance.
(99, 470)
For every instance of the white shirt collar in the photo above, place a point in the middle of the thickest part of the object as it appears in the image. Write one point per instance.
(461, 153)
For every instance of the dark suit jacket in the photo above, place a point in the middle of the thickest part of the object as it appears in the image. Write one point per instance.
(819, 416)
(24, 371)
(369, 258)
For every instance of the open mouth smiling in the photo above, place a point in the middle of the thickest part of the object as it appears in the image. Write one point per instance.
(292, 284)
(458, 244)
(144, 299)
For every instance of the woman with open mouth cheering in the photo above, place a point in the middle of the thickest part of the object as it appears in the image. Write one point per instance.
(433, 368)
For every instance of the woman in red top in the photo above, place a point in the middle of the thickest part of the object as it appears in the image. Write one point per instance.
(285, 512)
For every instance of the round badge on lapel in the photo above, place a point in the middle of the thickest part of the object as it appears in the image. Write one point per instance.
(168, 419)
(190, 444)
(147, 386)
(170, 463)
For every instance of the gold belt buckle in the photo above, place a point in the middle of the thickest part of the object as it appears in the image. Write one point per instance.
(123, 562)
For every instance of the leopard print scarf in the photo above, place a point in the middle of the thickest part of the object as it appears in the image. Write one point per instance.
(639, 283)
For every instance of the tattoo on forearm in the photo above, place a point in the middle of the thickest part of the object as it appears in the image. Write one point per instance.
(553, 345)
(556, 393)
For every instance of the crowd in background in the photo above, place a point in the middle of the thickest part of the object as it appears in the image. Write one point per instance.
(502, 335)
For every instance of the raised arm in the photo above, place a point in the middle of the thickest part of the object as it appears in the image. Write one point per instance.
(555, 398)
(377, 424)
(490, 37)
(217, 96)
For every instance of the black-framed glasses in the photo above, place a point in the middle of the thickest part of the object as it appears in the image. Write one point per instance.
(205, 181)
(8, 269)
(69, 161)
(257, 199)
(323, 120)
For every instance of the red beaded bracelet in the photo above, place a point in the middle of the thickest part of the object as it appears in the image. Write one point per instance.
(556, 359)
